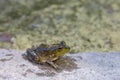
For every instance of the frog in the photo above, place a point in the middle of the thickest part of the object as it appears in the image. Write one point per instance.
(45, 53)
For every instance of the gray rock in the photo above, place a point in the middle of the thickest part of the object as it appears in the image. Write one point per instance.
(81, 66)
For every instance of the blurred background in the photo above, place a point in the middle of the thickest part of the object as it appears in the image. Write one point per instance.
(85, 25)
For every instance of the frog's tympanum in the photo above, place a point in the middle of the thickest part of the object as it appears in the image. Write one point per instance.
(47, 53)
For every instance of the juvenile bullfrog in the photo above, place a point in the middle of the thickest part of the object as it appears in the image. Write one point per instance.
(47, 53)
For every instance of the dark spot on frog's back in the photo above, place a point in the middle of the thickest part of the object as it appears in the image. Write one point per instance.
(51, 48)
(41, 48)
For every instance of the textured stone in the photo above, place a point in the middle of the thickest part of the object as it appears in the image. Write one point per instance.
(81, 66)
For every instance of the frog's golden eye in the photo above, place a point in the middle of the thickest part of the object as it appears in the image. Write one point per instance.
(59, 49)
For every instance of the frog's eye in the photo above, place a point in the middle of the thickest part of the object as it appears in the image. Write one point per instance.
(60, 48)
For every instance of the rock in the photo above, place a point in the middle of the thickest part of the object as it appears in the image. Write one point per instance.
(80, 66)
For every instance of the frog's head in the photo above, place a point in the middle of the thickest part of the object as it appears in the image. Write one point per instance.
(62, 48)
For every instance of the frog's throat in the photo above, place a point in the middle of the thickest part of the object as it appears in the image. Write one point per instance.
(63, 52)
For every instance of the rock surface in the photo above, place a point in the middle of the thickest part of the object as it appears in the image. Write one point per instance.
(81, 66)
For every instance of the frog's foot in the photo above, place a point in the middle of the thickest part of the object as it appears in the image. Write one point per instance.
(53, 65)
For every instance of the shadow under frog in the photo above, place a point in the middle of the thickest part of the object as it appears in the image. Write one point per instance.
(65, 63)
(51, 58)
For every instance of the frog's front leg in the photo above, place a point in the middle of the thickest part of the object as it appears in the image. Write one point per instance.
(53, 64)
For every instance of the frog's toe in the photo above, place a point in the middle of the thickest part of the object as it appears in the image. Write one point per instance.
(53, 65)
